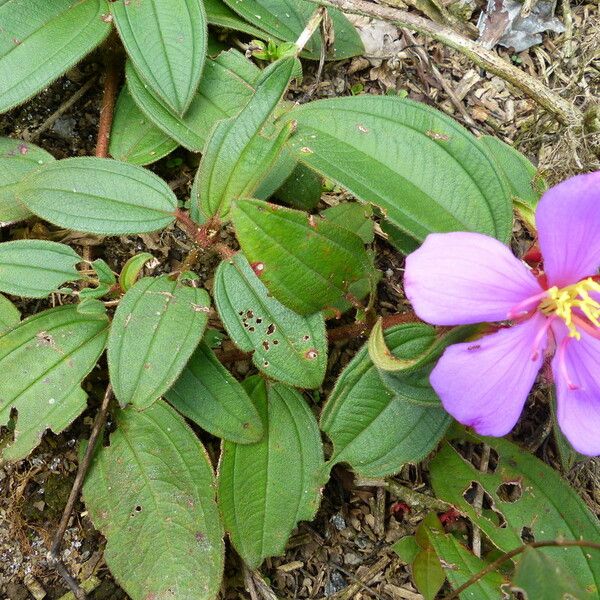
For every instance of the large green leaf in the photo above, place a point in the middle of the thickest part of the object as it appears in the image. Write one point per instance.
(425, 171)
(306, 262)
(219, 14)
(9, 314)
(134, 138)
(265, 489)
(43, 361)
(40, 40)
(286, 346)
(226, 86)
(166, 41)
(208, 394)
(156, 328)
(522, 176)
(17, 159)
(372, 429)
(35, 268)
(239, 154)
(528, 499)
(286, 19)
(99, 195)
(152, 494)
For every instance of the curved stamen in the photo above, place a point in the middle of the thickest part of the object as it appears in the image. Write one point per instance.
(586, 326)
(562, 363)
(525, 307)
(539, 337)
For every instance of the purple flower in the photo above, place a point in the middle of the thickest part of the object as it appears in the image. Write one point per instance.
(462, 278)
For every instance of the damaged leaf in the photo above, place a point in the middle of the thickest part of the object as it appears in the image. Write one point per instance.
(152, 495)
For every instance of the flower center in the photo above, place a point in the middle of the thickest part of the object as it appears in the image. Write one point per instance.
(574, 305)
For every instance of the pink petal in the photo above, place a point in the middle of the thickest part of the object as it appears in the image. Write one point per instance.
(579, 409)
(461, 278)
(568, 221)
(484, 384)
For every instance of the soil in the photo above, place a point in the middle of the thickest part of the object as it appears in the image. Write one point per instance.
(345, 552)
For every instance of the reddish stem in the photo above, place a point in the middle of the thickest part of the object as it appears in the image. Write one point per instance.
(107, 108)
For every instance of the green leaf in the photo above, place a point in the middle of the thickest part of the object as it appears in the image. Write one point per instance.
(373, 430)
(522, 176)
(151, 493)
(428, 573)
(306, 262)
(156, 328)
(286, 346)
(17, 159)
(302, 189)
(99, 195)
(9, 314)
(132, 268)
(542, 576)
(226, 86)
(406, 548)
(166, 42)
(134, 138)
(239, 154)
(541, 505)
(46, 357)
(40, 40)
(286, 19)
(209, 395)
(221, 15)
(353, 217)
(460, 564)
(422, 169)
(36, 268)
(265, 489)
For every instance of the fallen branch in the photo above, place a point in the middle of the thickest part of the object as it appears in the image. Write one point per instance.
(563, 110)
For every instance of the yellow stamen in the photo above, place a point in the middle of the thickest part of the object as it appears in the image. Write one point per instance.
(562, 302)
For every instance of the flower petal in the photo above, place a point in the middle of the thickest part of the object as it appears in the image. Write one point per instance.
(461, 278)
(568, 221)
(484, 384)
(579, 409)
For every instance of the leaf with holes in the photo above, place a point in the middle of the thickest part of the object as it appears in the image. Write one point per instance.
(219, 14)
(421, 168)
(226, 86)
(286, 19)
(372, 429)
(40, 40)
(460, 564)
(540, 576)
(266, 488)
(353, 217)
(17, 159)
(151, 493)
(9, 314)
(306, 262)
(527, 499)
(47, 356)
(166, 41)
(36, 268)
(286, 346)
(156, 328)
(239, 153)
(523, 179)
(134, 138)
(209, 395)
(99, 195)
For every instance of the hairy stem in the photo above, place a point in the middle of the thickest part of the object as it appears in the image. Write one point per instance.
(563, 110)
